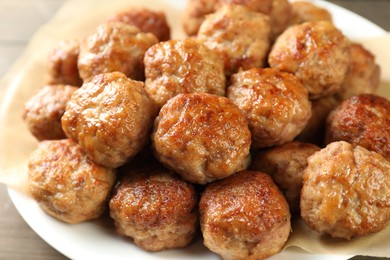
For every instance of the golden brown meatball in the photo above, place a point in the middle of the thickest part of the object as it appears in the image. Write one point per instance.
(240, 36)
(62, 64)
(261, 6)
(195, 13)
(280, 17)
(110, 117)
(346, 191)
(363, 75)
(308, 12)
(202, 137)
(43, 111)
(244, 216)
(276, 104)
(156, 208)
(285, 164)
(362, 120)
(66, 183)
(114, 46)
(314, 131)
(316, 52)
(146, 20)
(182, 66)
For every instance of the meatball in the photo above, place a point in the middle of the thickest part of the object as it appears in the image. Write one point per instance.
(182, 66)
(314, 131)
(244, 216)
(146, 20)
(285, 164)
(110, 117)
(156, 208)
(261, 6)
(280, 17)
(66, 183)
(308, 12)
(316, 52)
(114, 46)
(240, 36)
(362, 120)
(43, 111)
(195, 13)
(275, 103)
(363, 75)
(202, 137)
(346, 191)
(62, 64)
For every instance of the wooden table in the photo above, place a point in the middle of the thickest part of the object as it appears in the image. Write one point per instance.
(19, 19)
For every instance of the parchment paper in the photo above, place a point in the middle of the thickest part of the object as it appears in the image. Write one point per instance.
(77, 19)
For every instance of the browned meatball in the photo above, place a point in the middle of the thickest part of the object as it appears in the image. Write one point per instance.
(316, 52)
(308, 12)
(202, 137)
(182, 66)
(66, 183)
(114, 46)
(156, 208)
(43, 111)
(62, 64)
(346, 191)
(240, 36)
(276, 104)
(146, 20)
(261, 6)
(195, 13)
(314, 131)
(244, 216)
(110, 117)
(362, 120)
(285, 164)
(363, 75)
(280, 17)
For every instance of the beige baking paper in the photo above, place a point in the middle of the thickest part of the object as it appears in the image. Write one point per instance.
(75, 20)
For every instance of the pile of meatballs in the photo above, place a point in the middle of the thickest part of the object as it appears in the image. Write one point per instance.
(264, 113)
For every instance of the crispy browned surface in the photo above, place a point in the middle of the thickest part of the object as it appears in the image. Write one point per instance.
(195, 12)
(362, 120)
(202, 137)
(156, 208)
(62, 63)
(110, 117)
(285, 164)
(316, 52)
(114, 46)
(346, 191)
(363, 75)
(240, 36)
(280, 16)
(66, 183)
(275, 103)
(182, 66)
(146, 20)
(43, 111)
(314, 131)
(308, 12)
(244, 216)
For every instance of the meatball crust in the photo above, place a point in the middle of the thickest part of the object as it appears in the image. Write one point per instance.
(316, 52)
(363, 75)
(62, 64)
(110, 117)
(308, 12)
(114, 46)
(202, 137)
(66, 183)
(362, 120)
(195, 13)
(237, 34)
(285, 164)
(275, 103)
(43, 111)
(146, 20)
(280, 17)
(182, 66)
(244, 216)
(156, 208)
(346, 191)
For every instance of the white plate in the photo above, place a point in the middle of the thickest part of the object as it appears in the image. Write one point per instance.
(97, 240)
